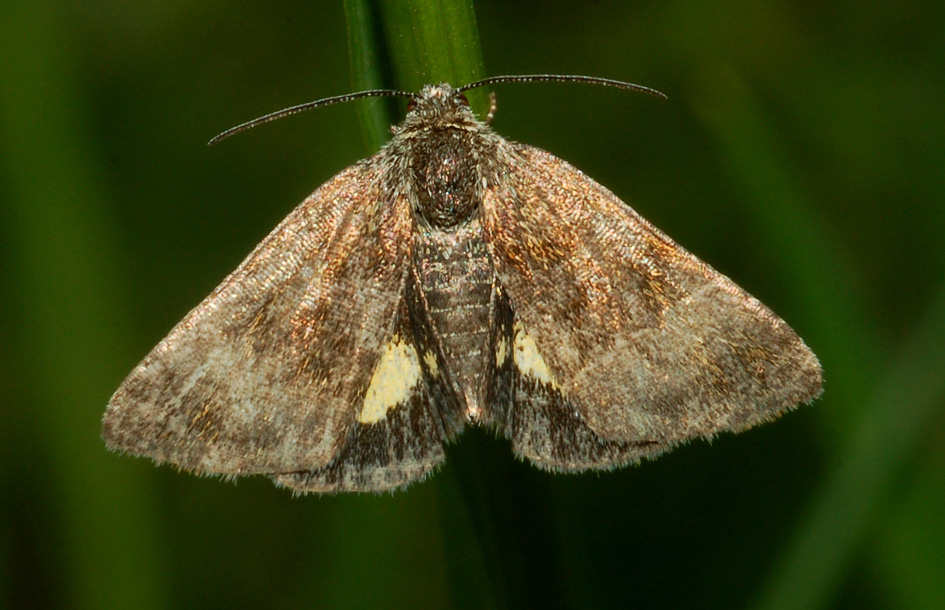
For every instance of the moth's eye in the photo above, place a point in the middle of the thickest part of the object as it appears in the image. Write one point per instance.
(411, 104)
(461, 99)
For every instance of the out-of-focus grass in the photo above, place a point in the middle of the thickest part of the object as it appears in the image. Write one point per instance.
(71, 328)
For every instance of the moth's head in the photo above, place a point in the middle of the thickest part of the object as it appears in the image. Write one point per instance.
(438, 107)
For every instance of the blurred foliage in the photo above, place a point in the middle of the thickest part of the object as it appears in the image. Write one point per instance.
(800, 153)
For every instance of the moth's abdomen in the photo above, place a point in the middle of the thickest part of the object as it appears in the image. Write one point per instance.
(456, 276)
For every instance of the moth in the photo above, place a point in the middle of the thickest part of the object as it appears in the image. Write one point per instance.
(456, 278)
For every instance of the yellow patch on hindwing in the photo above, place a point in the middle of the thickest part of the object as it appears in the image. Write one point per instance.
(527, 358)
(396, 374)
(501, 351)
(429, 358)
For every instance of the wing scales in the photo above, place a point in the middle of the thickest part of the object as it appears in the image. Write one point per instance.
(406, 443)
(248, 382)
(648, 342)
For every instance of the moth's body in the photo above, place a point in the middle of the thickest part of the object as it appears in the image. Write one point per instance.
(455, 278)
(441, 160)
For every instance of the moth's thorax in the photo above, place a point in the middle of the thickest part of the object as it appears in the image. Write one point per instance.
(440, 147)
(446, 176)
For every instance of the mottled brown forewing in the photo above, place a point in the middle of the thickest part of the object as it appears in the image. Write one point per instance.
(262, 376)
(648, 343)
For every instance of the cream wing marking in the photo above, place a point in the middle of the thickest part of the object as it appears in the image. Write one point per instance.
(527, 358)
(396, 374)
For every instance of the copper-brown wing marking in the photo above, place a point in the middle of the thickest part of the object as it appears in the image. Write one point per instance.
(647, 342)
(410, 410)
(249, 381)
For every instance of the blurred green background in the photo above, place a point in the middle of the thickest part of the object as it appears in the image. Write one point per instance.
(800, 153)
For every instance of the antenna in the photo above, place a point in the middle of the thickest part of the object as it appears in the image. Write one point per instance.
(562, 78)
(494, 80)
(327, 101)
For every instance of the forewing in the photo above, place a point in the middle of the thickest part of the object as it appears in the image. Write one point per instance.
(645, 341)
(269, 372)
